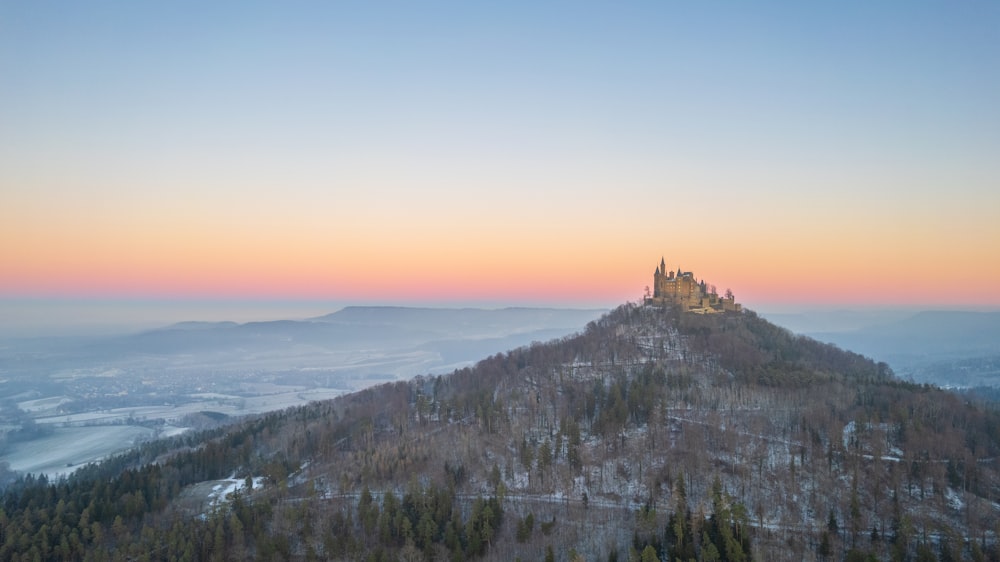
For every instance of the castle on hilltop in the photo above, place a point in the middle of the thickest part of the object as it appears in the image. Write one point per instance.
(680, 288)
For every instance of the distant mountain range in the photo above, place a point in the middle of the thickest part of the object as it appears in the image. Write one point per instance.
(949, 348)
(960, 348)
(360, 327)
(421, 339)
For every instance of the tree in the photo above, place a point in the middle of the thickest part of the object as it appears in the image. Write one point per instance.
(825, 548)
(544, 457)
(710, 552)
(524, 528)
(495, 477)
(649, 554)
(527, 454)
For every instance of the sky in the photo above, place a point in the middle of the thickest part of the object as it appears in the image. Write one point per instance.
(798, 153)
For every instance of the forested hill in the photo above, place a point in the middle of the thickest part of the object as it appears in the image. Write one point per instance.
(652, 434)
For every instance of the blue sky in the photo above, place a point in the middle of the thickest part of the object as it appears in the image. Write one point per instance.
(797, 152)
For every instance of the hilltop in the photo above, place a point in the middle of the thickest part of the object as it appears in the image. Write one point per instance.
(653, 433)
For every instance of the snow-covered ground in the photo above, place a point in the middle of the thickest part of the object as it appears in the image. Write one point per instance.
(42, 404)
(78, 439)
(70, 447)
(221, 489)
(231, 405)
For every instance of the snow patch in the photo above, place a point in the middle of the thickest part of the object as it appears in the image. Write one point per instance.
(954, 499)
(223, 490)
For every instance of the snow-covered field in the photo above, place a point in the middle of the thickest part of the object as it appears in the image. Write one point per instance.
(69, 447)
(42, 404)
(81, 438)
(231, 405)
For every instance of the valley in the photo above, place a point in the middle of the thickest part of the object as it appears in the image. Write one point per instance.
(65, 402)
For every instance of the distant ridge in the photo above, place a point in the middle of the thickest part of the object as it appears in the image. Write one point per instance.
(462, 322)
(193, 325)
(353, 313)
(392, 341)
(914, 346)
(924, 333)
(946, 323)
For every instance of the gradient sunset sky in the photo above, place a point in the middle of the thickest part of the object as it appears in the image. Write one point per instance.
(799, 153)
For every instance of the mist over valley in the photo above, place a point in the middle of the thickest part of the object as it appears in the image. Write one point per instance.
(948, 348)
(72, 400)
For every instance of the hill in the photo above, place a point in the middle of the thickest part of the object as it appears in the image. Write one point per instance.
(652, 434)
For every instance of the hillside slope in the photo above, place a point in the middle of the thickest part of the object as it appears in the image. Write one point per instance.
(652, 434)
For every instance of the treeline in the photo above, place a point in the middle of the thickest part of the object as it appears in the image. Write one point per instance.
(92, 510)
(724, 536)
(124, 509)
(426, 523)
(426, 520)
(89, 512)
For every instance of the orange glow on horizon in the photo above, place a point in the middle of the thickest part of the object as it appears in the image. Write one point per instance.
(348, 157)
(183, 253)
(527, 281)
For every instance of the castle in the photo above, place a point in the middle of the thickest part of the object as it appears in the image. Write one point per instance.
(682, 289)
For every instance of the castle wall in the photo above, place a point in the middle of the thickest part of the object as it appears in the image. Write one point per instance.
(683, 290)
